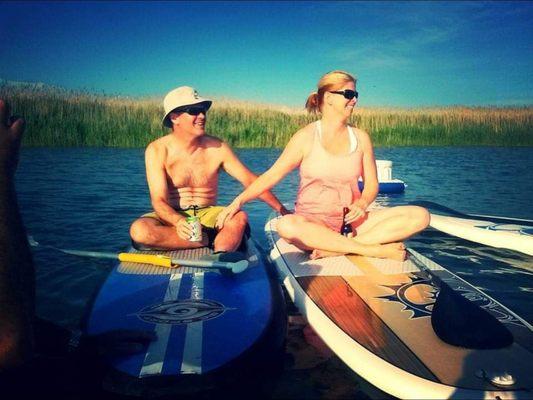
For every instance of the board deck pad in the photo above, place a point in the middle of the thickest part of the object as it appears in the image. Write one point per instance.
(386, 307)
(203, 319)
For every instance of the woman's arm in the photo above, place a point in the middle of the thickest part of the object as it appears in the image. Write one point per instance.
(370, 190)
(234, 167)
(288, 160)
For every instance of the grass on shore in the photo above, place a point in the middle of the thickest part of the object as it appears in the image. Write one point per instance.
(59, 118)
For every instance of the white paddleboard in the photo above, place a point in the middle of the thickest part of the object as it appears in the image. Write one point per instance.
(376, 315)
(513, 236)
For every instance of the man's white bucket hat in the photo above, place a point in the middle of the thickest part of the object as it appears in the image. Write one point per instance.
(182, 97)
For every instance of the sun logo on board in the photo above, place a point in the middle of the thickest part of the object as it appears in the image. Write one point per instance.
(417, 296)
(178, 312)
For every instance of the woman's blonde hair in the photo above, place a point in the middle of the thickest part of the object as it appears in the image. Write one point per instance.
(333, 80)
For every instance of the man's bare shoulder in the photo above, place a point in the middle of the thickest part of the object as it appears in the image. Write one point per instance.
(210, 140)
(158, 146)
(214, 144)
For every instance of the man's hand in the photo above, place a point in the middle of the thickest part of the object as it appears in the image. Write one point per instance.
(11, 129)
(183, 229)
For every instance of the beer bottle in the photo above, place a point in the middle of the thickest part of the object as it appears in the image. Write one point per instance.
(346, 228)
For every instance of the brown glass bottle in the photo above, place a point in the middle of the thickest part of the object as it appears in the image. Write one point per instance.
(346, 228)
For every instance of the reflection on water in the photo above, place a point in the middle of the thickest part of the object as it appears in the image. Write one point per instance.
(87, 198)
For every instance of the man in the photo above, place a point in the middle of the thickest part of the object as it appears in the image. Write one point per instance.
(182, 173)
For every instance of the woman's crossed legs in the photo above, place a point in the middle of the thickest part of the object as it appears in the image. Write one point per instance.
(378, 235)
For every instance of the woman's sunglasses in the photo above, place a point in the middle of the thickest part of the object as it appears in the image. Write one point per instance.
(347, 93)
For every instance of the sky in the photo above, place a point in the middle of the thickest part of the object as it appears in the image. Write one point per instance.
(404, 54)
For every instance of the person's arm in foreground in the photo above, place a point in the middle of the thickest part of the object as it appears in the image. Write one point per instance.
(17, 276)
(371, 187)
(287, 161)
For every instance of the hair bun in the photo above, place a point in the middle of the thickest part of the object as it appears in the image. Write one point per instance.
(312, 103)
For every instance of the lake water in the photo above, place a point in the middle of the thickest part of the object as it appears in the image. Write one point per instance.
(87, 198)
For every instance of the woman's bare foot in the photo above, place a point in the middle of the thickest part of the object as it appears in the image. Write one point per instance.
(394, 251)
(316, 254)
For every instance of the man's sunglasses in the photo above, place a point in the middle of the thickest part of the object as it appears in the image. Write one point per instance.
(194, 110)
(347, 93)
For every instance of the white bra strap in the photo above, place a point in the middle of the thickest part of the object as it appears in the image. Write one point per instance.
(351, 134)
(319, 130)
(353, 139)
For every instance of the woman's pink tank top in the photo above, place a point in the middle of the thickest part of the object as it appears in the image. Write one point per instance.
(328, 182)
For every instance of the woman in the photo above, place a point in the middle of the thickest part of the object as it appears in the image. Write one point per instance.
(331, 156)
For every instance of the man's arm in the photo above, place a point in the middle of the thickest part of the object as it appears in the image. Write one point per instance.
(233, 166)
(157, 183)
(17, 274)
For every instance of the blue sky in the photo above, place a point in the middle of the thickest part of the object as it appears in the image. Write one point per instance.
(405, 54)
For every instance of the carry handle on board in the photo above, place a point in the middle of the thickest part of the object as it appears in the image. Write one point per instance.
(235, 266)
(460, 322)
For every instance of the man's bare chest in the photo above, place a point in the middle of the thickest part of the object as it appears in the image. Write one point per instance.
(197, 170)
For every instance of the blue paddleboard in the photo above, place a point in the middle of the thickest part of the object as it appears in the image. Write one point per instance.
(205, 320)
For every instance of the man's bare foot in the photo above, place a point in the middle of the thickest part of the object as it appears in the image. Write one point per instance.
(316, 254)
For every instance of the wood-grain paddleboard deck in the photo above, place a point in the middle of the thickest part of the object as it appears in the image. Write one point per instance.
(206, 322)
(375, 315)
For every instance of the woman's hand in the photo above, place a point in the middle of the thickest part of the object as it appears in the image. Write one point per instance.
(357, 211)
(227, 213)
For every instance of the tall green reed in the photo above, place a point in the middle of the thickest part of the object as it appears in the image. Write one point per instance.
(59, 118)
